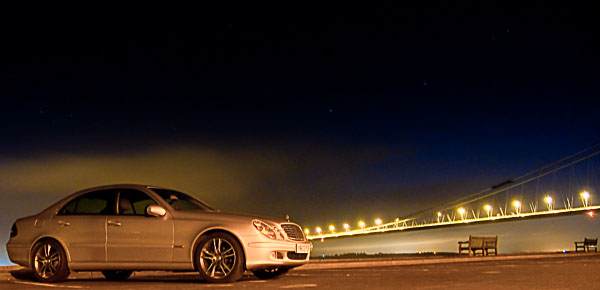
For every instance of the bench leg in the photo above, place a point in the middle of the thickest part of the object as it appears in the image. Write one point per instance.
(487, 251)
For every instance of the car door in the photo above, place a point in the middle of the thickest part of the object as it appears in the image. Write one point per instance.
(134, 237)
(81, 225)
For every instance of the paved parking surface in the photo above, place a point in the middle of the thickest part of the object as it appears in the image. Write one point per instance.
(574, 272)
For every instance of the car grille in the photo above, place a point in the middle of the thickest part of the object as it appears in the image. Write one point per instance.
(296, 256)
(293, 232)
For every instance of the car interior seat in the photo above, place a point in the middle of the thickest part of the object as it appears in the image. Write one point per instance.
(125, 206)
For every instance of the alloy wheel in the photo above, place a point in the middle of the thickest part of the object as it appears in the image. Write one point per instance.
(47, 261)
(217, 258)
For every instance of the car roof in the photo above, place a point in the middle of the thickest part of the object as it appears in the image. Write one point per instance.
(126, 185)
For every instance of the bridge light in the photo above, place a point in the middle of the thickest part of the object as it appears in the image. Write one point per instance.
(517, 205)
(584, 197)
(488, 209)
(307, 231)
(318, 230)
(590, 213)
(462, 211)
(548, 200)
(361, 224)
(378, 221)
(332, 228)
(439, 216)
(347, 227)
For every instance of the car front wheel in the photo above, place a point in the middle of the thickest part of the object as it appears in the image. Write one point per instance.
(49, 261)
(220, 258)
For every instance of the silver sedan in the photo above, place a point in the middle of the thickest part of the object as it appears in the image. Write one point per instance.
(118, 229)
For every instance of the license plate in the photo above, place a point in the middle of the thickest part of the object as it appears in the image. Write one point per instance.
(302, 248)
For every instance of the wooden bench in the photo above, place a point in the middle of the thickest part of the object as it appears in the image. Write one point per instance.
(483, 244)
(587, 244)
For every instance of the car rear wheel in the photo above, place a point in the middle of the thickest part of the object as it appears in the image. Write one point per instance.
(269, 273)
(49, 261)
(220, 258)
(117, 275)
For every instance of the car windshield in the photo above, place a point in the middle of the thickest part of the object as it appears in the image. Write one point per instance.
(181, 201)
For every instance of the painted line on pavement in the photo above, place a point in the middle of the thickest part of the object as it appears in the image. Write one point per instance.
(49, 285)
(299, 286)
(341, 264)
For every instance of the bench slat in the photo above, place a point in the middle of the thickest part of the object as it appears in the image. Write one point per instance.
(484, 244)
(586, 244)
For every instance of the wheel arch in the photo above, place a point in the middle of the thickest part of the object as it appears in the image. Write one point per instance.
(48, 237)
(212, 231)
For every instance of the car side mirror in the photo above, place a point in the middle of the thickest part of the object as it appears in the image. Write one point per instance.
(156, 210)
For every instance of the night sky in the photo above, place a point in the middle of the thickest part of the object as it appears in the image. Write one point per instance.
(329, 113)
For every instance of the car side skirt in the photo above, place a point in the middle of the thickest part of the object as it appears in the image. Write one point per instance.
(170, 266)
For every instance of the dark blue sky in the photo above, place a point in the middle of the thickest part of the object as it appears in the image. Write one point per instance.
(387, 73)
(331, 111)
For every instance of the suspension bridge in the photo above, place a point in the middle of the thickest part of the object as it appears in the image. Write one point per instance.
(564, 187)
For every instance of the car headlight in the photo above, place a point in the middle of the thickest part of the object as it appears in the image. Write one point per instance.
(265, 229)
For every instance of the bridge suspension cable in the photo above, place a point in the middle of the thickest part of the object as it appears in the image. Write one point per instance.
(514, 182)
(522, 186)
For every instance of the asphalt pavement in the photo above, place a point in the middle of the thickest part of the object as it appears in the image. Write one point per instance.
(550, 271)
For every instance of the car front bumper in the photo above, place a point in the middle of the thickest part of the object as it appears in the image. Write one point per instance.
(273, 254)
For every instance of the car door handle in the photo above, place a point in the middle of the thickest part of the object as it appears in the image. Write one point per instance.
(64, 223)
(114, 223)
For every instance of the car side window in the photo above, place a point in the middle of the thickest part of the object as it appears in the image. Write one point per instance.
(134, 202)
(70, 207)
(100, 202)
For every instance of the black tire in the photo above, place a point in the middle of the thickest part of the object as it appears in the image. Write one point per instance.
(117, 275)
(220, 258)
(49, 261)
(265, 274)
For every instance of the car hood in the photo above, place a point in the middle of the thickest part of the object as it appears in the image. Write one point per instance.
(223, 216)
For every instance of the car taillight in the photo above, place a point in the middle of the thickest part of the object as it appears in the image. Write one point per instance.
(13, 230)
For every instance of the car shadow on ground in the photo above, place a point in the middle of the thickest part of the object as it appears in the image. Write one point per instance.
(23, 274)
(27, 275)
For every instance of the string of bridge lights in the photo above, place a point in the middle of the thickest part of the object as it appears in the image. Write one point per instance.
(447, 219)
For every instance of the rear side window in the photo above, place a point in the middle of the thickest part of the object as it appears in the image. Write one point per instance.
(100, 202)
(69, 208)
